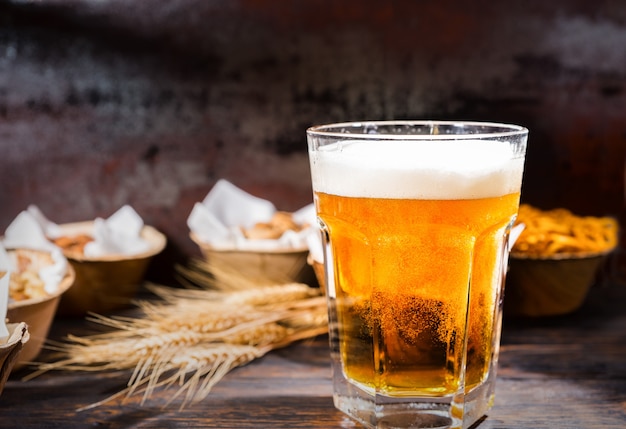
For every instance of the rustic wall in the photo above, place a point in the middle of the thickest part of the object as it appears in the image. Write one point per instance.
(107, 102)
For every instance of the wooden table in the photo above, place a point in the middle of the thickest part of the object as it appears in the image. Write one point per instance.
(567, 372)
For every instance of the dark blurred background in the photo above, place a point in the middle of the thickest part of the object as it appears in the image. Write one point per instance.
(148, 103)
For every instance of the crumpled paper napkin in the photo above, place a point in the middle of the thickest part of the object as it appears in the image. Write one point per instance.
(30, 229)
(26, 232)
(218, 219)
(120, 234)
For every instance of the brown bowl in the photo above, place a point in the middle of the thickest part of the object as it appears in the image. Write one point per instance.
(11, 349)
(264, 267)
(553, 286)
(109, 282)
(38, 314)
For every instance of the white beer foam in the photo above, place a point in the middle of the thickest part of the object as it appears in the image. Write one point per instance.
(467, 169)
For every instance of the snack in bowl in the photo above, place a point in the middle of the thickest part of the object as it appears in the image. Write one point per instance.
(560, 232)
(246, 234)
(74, 245)
(265, 265)
(280, 223)
(104, 282)
(109, 256)
(555, 260)
(38, 280)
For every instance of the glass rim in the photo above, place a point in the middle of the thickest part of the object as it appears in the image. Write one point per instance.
(500, 130)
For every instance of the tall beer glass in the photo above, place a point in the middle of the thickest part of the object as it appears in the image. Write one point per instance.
(415, 218)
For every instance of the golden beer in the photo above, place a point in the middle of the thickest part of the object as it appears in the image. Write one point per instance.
(415, 219)
(402, 271)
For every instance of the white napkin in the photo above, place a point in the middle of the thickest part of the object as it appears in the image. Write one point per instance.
(4, 294)
(52, 275)
(28, 230)
(119, 234)
(49, 228)
(218, 219)
(24, 232)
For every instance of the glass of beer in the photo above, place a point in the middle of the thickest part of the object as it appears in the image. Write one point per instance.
(415, 219)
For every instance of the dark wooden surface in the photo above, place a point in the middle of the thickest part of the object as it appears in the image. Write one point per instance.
(566, 372)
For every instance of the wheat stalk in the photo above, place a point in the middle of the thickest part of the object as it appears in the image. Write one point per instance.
(189, 338)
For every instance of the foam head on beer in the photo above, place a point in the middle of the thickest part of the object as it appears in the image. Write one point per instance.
(405, 169)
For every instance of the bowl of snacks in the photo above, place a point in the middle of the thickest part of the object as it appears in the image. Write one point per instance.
(263, 265)
(109, 256)
(555, 260)
(238, 232)
(38, 280)
(106, 281)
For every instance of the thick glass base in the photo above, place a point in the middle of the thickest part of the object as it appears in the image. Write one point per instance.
(479, 400)
(397, 414)
(378, 411)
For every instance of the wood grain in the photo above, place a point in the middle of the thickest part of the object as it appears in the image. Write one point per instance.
(560, 373)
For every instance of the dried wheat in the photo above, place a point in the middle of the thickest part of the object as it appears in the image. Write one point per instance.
(191, 338)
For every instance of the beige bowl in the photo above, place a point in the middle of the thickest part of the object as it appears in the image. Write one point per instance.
(106, 283)
(38, 314)
(537, 287)
(264, 267)
(11, 349)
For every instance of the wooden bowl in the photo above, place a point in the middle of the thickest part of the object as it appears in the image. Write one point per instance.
(106, 283)
(11, 349)
(38, 314)
(558, 285)
(263, 267)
